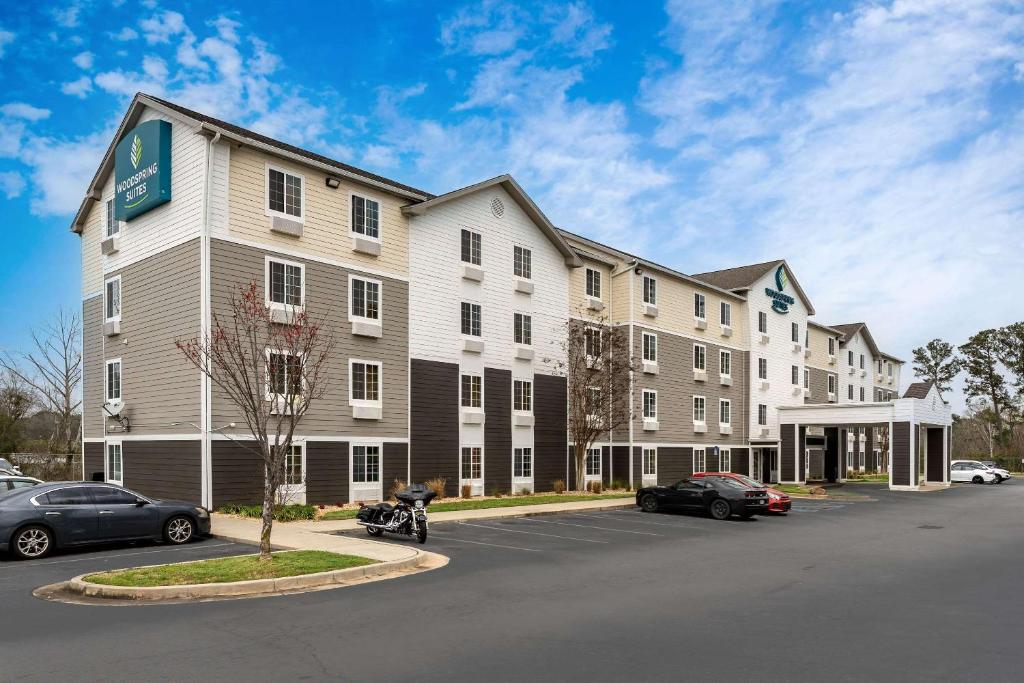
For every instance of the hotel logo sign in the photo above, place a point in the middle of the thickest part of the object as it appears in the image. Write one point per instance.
(780, 301)
(142, 170)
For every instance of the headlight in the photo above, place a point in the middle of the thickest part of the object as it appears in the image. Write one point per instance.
(419, 504)
(774, 496)
(202, 512)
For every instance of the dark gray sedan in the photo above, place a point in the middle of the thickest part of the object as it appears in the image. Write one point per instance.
(36, 520)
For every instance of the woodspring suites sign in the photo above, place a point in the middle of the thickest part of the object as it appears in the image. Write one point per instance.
(142, 170)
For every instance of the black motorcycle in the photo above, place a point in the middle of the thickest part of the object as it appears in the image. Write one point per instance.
(408, 517)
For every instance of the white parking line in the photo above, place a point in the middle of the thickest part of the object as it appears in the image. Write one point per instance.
(602, 528)
(532, 533)
(646, 522)
(493, 545)
(94, 558)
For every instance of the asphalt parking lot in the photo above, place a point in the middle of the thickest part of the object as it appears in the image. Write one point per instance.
(898, 589)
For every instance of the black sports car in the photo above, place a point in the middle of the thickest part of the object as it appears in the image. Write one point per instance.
(34, 521)
(719, 497)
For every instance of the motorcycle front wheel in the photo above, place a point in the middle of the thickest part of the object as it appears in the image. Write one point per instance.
(421, 534)
(374, 532)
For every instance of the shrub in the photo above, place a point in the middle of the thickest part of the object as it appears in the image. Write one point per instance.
(396, 486)
(525, 491)
(620, 485)
(437, 485)
(558, 486)
(467, 491)
(595, 487)
(282, 513)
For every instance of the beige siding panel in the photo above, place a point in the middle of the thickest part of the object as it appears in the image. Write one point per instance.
(160, 304)
(236, 265)
(578, 289)
(819, 348)
(92, 367)
(327, 214)
(675, 300)
(619, 309)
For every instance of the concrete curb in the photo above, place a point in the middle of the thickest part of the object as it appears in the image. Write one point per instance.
(79, 586)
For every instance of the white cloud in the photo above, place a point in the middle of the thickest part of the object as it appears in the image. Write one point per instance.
(160, 28)
(154, 67)
(227, 28)
(576, 27)
(6, 38)
(127, 83)
(487, 28)
(380, 156)
(67, 16)
(84, 60)
(11, 184)
(23, 110)
(61, 170)
(125, 34)
(79, 87)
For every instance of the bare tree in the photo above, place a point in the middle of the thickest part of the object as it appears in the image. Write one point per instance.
(272, 365)
(17, 399)
(598, 367)
(54, 372)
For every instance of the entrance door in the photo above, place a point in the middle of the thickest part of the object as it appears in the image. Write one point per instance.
(769, 465)
(831, 464)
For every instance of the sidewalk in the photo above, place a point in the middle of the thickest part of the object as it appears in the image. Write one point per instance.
(489, 513)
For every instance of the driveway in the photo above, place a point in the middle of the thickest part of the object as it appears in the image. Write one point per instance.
(897, 589)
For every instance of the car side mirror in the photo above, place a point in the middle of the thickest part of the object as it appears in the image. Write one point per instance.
(141, 502)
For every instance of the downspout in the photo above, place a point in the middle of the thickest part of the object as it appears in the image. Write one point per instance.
(629, 269)
(204, 387)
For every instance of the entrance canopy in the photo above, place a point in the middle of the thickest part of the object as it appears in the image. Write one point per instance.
(915, 428)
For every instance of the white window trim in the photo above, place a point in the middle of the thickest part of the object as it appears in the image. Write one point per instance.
(644, 345)
(761, 315)
(463, 446)
(723, 455)
(704, 305)
(643, 290)
(704, 348)
(266, 370)
(351, 225)
(106, 381)
(514, 409)
(600, 464)
(600, 283)
(352, 401)
(795, 376)
(120, 296)
(521, 313)
(725, 305)
(521, 277)
(471, 373)
(301, 218)
(110, 220)
(107, 443)
(807, 378)
(722, 353)
(693, 406)
(703, 460)
(379, 445)
(643, 461)
(518, 478)
(643, 404)
(759, 362)
(600, 336)
(352, 317)
(266, 284)
(466, 335)
(479, 234)
(759, 406)
(723, 402)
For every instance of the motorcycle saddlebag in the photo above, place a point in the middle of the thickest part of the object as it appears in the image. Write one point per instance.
(366, 514)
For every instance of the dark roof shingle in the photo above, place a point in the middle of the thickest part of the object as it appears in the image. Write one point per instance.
(918, 390)
(741, 277)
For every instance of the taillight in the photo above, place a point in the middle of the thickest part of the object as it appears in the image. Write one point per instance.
(750, 494)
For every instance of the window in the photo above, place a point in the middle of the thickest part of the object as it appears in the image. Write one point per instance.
(522, 395)
(522, 262)
(365, 298)
(724, 411)
(831, 384)
(471, 319)
(522, 463)
(762, 414)
(592, 342)
(650, 404)
(594, 283)
(725, 460)
(472, 391)
(831, 346)
(365, 381)
(470, 247)
(115, 464)
(114, 380)
(650, 461)
(879, 366)
(762, 368)
(807, 338)
(862, 361)
(77, 495)
(593, 462)
(284, 375)
(284, 193)
(699, 409)
(725, 363)
(849, 358)
(284, 283)
(796, 375)
(849, 392)
(365, 464)
(523, 329)
(699, 460)
(807, 378)
(762, 322)
(862, 394)
(699, 306)
(700, 357)
(113, 225)
(107, 495)
(650, 344)
(889, 368)
(594, 404)
(796, 332)
(112, 299)
(650, 290)
(725, 314)
(472, 462)
(365, 217)
(294, 466)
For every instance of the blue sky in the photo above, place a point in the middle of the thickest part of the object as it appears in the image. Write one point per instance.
(877, 146)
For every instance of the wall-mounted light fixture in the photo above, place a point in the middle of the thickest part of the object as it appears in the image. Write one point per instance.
(333, 183)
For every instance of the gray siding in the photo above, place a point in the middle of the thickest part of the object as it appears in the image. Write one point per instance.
(740, 460)
(934, 461)
(326, 292)
(674, 464)
(901, 474)
(237, 474)
(160, 304)
(549, 431)
(676, 388)
(787, 454)
(819, 385)
(497, 430)
(164, 469)
(92, 459)
(434, 436)
(327, 472)
(395, 466)
(92, 369)
(620, 464)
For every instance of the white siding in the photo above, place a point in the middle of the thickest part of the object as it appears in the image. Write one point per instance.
(858, 380)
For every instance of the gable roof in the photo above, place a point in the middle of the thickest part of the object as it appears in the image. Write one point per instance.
(918, 390)
(212, 126)
(815, 323)
(742, 278)
(850, 330)
(520, 197)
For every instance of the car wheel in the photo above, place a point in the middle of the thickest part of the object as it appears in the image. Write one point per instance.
(179, 530)
(649, 503)
(977, 479)
(720, 509)
(32, 542)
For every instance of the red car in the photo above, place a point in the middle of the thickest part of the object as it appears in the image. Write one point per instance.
(777, 500)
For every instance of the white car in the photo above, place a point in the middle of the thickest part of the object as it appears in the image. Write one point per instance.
(971, 471)
(1000, 472)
